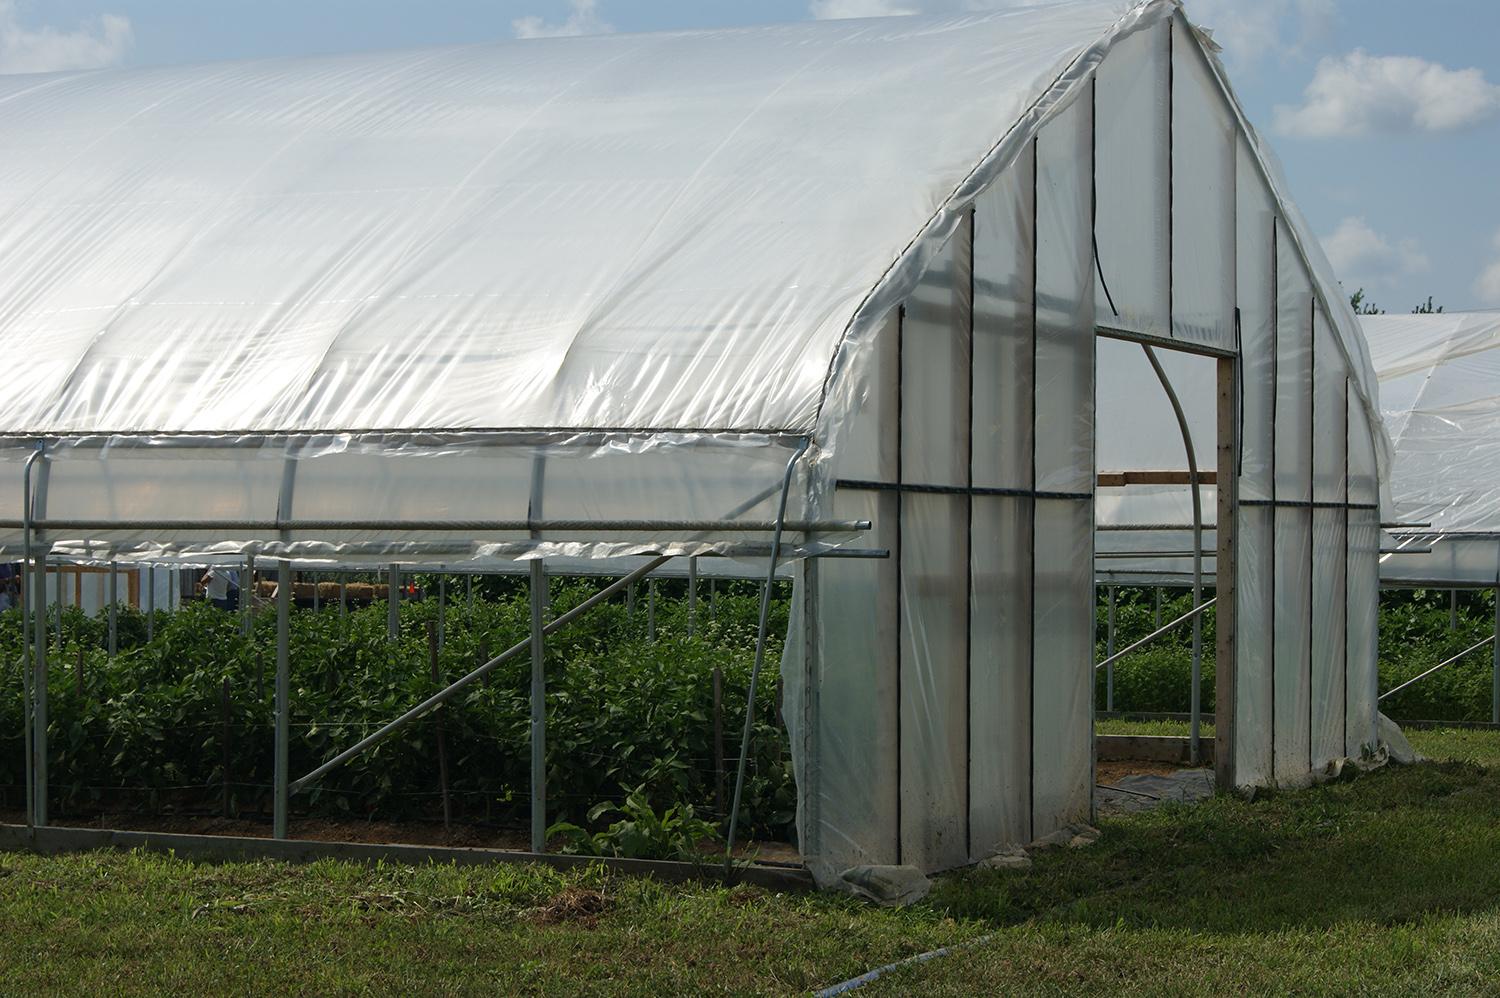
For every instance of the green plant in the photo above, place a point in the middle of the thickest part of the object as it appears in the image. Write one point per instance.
(641, 833)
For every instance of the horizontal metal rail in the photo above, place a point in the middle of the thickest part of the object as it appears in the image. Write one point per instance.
(1435, 668)
(459, 526)
(443, 696)
(1109, 528)
(1123, 555)
(1157, 633)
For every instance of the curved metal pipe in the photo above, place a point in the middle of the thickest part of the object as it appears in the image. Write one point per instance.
(1196, 707)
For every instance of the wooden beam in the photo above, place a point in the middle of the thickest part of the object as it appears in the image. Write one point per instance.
(1120, 479)
(1227, 565)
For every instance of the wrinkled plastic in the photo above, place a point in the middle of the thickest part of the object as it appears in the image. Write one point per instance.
(1437, 392)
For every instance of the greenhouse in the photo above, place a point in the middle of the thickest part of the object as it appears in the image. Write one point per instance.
(1437, 376)
(937, 318)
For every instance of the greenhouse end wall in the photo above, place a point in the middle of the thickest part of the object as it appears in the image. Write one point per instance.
(947, 692)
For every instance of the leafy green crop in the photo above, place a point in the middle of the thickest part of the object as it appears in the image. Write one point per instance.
(168, 723)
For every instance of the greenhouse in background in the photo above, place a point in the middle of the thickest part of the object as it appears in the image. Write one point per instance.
(939, 318)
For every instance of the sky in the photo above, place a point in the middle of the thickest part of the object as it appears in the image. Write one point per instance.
(1384, 113)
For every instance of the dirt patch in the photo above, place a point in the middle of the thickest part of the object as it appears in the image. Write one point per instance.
(573, 906)
(1111, 772)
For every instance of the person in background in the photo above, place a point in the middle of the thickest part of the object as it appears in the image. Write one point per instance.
(221, 586)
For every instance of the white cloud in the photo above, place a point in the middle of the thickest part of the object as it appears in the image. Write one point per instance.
(96, 43)
(1359, 93)
(583, 19)
(1251, 30)
(1363, 258)
(1487, 287)
(830, 10)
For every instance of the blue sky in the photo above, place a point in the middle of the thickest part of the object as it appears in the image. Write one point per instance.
(1385, 113)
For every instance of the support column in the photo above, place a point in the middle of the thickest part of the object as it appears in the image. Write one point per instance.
(692, 594)
(150, 586)
(1495, 666)
(114, 609)
(538, 707)
(283, 695)
(1226, 610)
(651, 610)
(39, 693)
(393, 602)
(1109, 653)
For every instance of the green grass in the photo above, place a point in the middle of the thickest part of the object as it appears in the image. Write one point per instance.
(1440, 744)
(1385, 883)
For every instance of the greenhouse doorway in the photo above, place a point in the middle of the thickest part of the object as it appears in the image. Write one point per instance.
(1165, 441)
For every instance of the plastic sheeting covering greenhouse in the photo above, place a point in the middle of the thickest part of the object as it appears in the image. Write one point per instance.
(593, 297)
(1438, 393)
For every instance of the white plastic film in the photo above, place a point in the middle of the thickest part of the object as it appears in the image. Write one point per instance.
(1131, 186)
(1330, 605)
(1063, 668)
(854, 788)
(999, 718)
(1292, 645)
(1000, 705)
(935, 563)
(1255, 682)
(1294, 374)
(1204, 142)
(1065, 338)
(934, 682)
(1363, 632)
(1330, 416)
(935, 372)
(1255, 255)
(1437, 395)
(1003, 331)
(660, 231)
(1063, 601)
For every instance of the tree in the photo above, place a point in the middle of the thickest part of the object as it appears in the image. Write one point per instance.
(1364, 306)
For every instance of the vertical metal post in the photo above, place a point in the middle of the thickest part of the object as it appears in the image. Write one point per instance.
(247, 595)
(651, 610)
(317, 603)
(630, 603)
(713, 600)
(760, 654)
(1158, 609)
(1453, 609)
(692, 596)
(39, 695)
(283, 696)
(33, 627)
(442, 614)
(150, 603)
(59, 605)
(538, 708)
(114, 609)
(469, 593)
(393, 602)
(1495, 666)
(1109, 652)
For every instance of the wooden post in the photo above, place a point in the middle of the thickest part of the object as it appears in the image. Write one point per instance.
(719, 739)
(1226, 574)
(437, 716)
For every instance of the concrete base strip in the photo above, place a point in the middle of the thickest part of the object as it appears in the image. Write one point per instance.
(54, 839)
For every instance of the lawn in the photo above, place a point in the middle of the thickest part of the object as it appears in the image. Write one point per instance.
(1388, 882)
